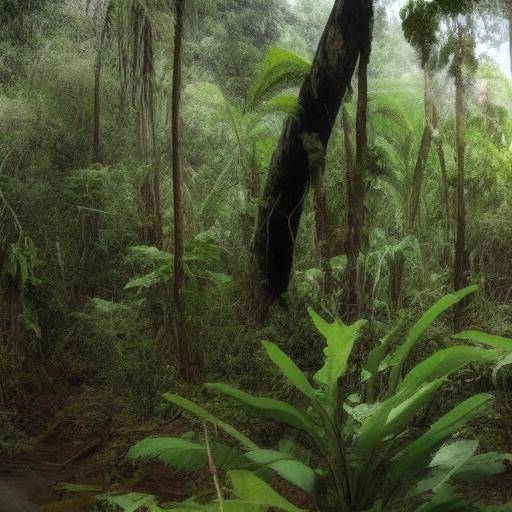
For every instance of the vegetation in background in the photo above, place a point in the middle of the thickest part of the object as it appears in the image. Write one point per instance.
(181, 179)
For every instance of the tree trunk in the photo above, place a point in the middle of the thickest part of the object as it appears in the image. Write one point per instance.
(150, 188)
(323, 238)
(398, 262)
(345, 36)
(96, 157)
(421, 160)
(182, 342)
(445, 255)
(356, 189)
(459, 278)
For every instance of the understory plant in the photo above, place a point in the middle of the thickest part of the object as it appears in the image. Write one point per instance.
(366, 446)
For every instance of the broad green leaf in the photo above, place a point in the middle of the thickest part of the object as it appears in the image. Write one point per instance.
(486, 339)
(446, 499)
(400, 415)
(446, 462)
(249, 488)
(453, 457)
(444, 362)
(292, 470)
(202, 413)
(393, 415)
(276, 409)
(176, 452)
(183, 454)
(414, 458)
(289, 369)
(397, 360)
(378, 354)
(484, 466)
(340, 339)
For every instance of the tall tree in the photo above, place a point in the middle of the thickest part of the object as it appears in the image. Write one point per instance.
(135, 34)
(356, 188)
(459, 269)
(150, 187)
(445, 255)
(345, 37)
(100, 16)
(182, 341)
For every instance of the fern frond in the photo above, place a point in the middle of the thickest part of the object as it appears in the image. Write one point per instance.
(279, 69)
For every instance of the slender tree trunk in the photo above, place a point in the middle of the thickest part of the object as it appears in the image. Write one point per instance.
(397, 266)
(96, 157)
(150, 188)
(182, 341)
(345, 35)
(459, 278)
(323, 240)
(445, 255)
(356, 191)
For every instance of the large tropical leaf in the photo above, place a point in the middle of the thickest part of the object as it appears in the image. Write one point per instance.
(249, 488)
(205, 415)
(444, 362)
(183, 454)
(276, 409)
(290, 469)
(414, 458)
(486, 339)
(378, 354)
(393, 415)
(446, 462)
(483, 465)
(289, 369)
(340, 339)
(397, 360)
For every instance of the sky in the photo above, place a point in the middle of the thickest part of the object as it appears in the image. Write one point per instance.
(499, 55)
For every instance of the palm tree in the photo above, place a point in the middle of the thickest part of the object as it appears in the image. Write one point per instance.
(135, 32)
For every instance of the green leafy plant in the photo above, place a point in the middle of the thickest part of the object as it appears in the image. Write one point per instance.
(202, 254)
(371, 454)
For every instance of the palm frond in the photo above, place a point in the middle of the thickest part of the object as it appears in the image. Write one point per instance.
(279, 69)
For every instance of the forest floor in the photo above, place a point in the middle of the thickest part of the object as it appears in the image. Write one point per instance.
(66, 468)
(68, 464)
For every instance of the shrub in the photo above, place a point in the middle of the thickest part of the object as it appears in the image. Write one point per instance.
(369, 453)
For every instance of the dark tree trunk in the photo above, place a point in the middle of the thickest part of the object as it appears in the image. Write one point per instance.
(356, 188)
(345, 36)
(459, 270)
(182, 341)
(96, 157)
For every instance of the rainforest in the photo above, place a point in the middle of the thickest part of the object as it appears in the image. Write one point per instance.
(255, 255)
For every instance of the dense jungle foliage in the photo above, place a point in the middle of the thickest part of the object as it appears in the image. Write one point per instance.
(255, 255)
